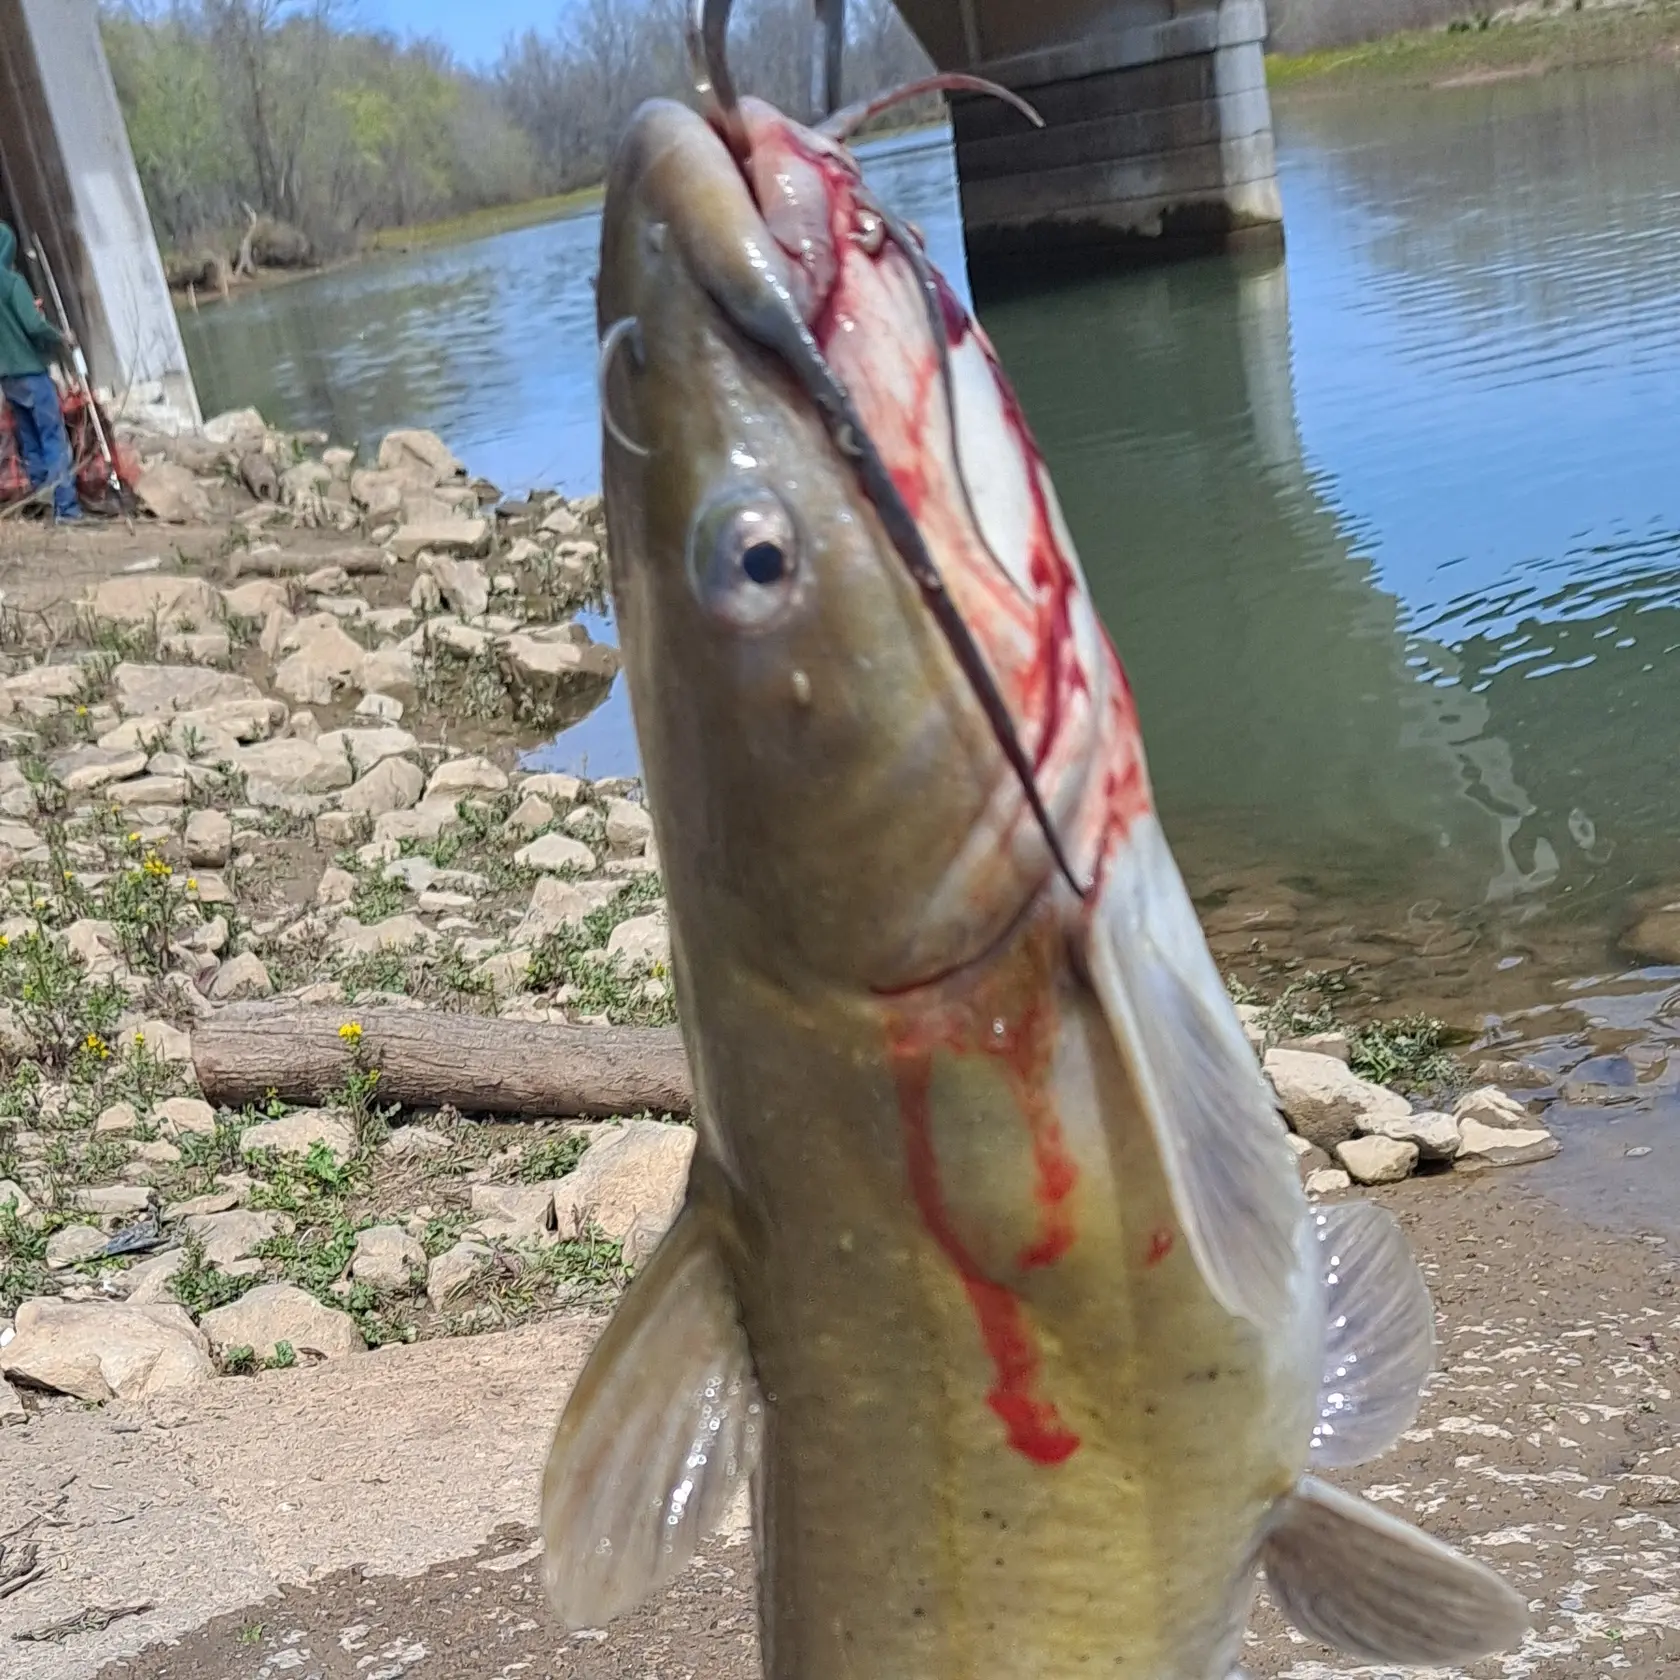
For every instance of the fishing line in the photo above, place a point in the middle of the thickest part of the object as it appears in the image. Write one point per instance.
(782, 331)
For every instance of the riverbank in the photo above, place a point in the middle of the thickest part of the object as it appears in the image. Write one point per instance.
(474, 225)
(1507, 46)
(485, 224)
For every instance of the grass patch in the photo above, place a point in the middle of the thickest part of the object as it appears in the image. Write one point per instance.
(570, 1273)
(313, 1186)
(201, 1287)
(1411, 1053)
(23, 1259)
(487, 223)
(567, 958)
(1482, 42)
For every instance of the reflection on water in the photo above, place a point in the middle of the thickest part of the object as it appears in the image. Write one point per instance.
(1388, 535)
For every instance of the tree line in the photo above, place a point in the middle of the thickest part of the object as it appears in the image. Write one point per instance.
(283, 121)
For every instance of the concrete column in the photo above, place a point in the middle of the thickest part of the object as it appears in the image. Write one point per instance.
(1158, 136)
(70, 176)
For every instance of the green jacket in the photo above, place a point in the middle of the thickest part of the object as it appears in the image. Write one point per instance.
(27, 338)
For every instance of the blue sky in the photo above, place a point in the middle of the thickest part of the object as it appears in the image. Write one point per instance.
(474, 29)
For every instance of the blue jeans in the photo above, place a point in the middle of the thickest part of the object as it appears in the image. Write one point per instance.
(42, 442)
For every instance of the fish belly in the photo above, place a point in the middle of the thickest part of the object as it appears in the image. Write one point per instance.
(1001, 1445)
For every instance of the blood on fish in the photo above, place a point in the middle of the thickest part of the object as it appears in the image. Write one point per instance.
(1033, 1425)
(1160, 1246)
(1046, 683)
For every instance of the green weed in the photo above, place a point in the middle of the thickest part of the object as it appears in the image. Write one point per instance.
(64, 1012)
(552, 1157)
(201, 1287)
(23, 1259)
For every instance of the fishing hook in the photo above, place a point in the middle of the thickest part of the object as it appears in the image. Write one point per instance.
(842, 125)
(708, 58)
(627, 331)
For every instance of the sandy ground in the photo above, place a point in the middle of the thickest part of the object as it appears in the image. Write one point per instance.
(372, 1517)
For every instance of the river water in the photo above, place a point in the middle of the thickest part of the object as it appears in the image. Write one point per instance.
(1387, 533)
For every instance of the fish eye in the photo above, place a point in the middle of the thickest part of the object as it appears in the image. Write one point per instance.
(744, 556)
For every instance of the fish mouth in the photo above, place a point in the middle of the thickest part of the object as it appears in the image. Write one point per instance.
(696, 182)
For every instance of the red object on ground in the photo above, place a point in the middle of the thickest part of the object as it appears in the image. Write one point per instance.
(93, 474)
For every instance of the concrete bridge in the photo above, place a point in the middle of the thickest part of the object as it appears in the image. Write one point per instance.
(69, 187)
(1157, 138)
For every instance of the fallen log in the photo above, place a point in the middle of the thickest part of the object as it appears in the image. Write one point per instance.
(427, 1058)
(359, 562)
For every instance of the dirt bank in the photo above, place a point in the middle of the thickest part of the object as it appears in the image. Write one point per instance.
(1514, 44)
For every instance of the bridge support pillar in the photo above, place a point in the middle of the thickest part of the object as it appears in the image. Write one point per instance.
(1157, 143)
(68, 183)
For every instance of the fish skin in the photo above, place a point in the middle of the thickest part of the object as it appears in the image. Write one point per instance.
(1017, 1422)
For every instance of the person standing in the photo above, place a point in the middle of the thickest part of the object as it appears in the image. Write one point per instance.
(27, 340)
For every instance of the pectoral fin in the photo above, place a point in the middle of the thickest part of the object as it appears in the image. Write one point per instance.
(1378, 1589)
(661, 1431)
(1220, 1140)
(1380, 1334)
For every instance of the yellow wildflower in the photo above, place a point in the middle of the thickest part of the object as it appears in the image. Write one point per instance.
(351, 1033)
(156, 867)
(134, 837)
(96, 1046)
(139, 1039)
(192, 883)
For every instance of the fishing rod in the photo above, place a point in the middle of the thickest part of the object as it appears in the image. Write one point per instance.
(113, 478)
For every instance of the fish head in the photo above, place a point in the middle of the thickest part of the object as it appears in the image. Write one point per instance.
(822, 772)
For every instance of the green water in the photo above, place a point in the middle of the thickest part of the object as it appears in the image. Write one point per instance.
(1387, 533)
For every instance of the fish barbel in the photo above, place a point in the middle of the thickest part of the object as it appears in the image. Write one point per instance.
(994, 1272)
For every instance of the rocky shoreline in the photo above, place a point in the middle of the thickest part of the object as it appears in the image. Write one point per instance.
(285, 765)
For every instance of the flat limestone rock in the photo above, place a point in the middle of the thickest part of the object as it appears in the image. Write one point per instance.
(156, 690)
(236, 1235)
(513, 1213)
(458, 776)
(98, 1350)
(1503, 1146)
(1490, 1106)
(1327, 1102)
(456, 1270)
(294, 766)
(640, 940)
(454, 537)
(555, 852)
(83, 769)
(630, 1173)
(299, 1132)
(1436, 1135)
(1377, 1160)
(392, 785)
(280, 1312)
(72, 1244)
(172, 603)
(395, 933)
(149, 1283)
(387, 1258)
